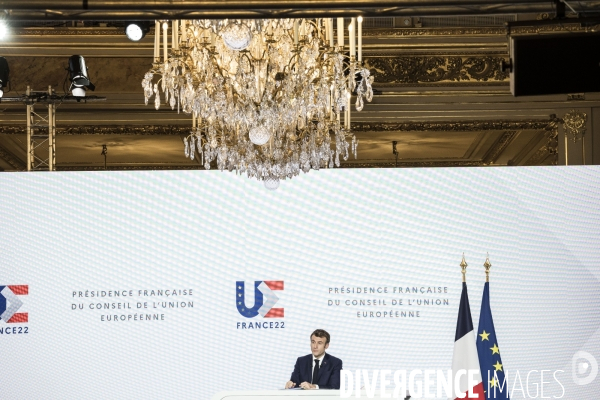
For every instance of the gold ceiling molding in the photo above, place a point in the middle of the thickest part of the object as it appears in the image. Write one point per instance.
(409, 164)
(550, 150)
(144, 167)
(564, 27)
(471, 31)
(162, 130)
(511, 131)
(417, 32)
(539, 156)
(67, 31)
(440, 52)
(374, 33)
(449, 70)
(501, 144)
(11, 159)
(171, 130)
(368, 33)
(452, 126)
(415, 164)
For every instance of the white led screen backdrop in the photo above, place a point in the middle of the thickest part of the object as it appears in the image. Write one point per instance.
(164, 251)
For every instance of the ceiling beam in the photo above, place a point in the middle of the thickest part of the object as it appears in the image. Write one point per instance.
(154, 5)
(410, 126)
(67, 10)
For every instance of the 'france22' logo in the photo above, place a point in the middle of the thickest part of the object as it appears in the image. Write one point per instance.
(10, 303)
(264, 299)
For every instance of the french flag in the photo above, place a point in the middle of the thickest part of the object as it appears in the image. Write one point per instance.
(465, 361)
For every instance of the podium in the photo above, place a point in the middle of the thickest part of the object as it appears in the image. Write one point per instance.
(291, 395)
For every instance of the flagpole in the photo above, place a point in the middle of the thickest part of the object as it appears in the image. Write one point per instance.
(465, 356)
(487, 264)
(464, 265)
(488, 350)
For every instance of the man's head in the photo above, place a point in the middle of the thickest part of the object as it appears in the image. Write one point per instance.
(319, 342)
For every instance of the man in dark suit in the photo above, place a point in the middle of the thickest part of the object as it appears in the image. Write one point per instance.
(317, 370)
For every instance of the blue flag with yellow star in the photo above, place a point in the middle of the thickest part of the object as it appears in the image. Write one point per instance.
(492, 370)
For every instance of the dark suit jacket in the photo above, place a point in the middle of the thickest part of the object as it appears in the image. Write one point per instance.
(329, 371)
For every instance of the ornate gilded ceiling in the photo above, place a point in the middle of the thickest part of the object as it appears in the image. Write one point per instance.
(441, 96)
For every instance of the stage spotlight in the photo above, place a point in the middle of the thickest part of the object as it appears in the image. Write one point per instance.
(79, 76)
(3, 75)
(136, 31)
(3, 29)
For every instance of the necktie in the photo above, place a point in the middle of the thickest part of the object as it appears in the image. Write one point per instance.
(315, 378)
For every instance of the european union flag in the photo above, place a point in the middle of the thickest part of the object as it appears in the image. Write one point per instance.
(492, 370)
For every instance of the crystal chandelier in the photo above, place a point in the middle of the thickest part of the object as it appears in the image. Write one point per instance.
(268, 98)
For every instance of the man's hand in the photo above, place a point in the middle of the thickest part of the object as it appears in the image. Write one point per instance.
(307, 386)
(289, 385)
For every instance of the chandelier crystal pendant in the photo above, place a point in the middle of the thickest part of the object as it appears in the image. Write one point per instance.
(269, 97)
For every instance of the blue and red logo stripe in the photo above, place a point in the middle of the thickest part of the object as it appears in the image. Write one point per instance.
(10, 303)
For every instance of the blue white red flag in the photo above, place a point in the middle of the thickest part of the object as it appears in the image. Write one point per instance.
(465, 362)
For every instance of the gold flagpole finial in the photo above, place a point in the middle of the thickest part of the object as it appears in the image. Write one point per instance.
(463, 265)
(487, 264)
